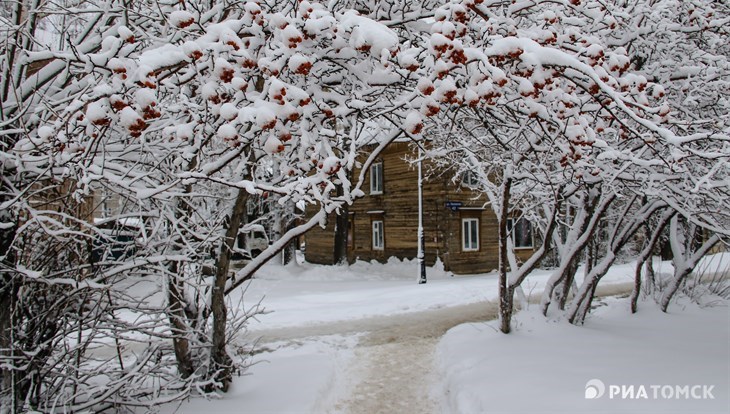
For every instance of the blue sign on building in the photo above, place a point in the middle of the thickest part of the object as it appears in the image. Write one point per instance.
(453, 205)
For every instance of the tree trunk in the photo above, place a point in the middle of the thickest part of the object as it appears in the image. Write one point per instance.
(341, 230)
(8, 299)
(506, 293)
(650, 275)
(684, 265)
(591, 256)
(178, 321)
(506, 307)
(580, 316)
(568, 278)
(10, 399)
(585, 232)
(637, 287)
(622, 232)
(289, 252)
(645, 258)
(221, 362)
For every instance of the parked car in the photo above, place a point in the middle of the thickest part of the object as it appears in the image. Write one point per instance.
(251, 241)
(118, 238)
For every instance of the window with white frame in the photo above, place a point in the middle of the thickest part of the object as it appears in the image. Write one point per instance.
(469, 179)
(521, 233)
(470, 234)
(378, 235)
(376, 178)
(106, 209)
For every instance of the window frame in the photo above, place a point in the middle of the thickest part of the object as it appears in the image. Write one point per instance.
(469, 179)
(376, 178)
(467, 233)
(513, 233)
(381, 232)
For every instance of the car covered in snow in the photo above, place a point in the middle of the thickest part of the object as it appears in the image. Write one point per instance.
(251, 241)
(116, 239)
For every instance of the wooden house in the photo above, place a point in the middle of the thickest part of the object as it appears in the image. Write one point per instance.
(459, 226)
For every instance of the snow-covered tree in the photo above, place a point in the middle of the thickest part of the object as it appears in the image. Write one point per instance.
(570, 96)
(187, 109)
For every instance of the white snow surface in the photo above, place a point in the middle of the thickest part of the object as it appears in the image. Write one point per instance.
(307, 294)
(300, 377)
(545, 366)
(542, 367)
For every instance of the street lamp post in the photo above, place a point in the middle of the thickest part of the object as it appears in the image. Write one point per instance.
(421, 242)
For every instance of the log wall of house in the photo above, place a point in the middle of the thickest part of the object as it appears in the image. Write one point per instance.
(319, 247)
(397, 207)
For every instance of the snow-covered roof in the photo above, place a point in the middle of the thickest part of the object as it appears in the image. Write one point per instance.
(249, 228)
(124, 221)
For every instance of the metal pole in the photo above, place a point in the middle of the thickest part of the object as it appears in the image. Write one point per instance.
(421, 242)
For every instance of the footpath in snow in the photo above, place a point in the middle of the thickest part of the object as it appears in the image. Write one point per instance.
(368, 339)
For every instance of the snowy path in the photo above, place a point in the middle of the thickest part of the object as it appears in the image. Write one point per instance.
(394, 378)
(423, 324)
(392, 368)
(426, 324)
(393, 364)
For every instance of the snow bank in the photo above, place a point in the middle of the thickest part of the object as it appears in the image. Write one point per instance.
(545, 365)
(394, 269)
(285, 378)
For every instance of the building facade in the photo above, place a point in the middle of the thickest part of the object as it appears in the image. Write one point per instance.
(460, 228)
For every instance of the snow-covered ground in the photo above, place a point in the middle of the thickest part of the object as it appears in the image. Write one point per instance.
(306, 294)
(650, 362)
(364, 338)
